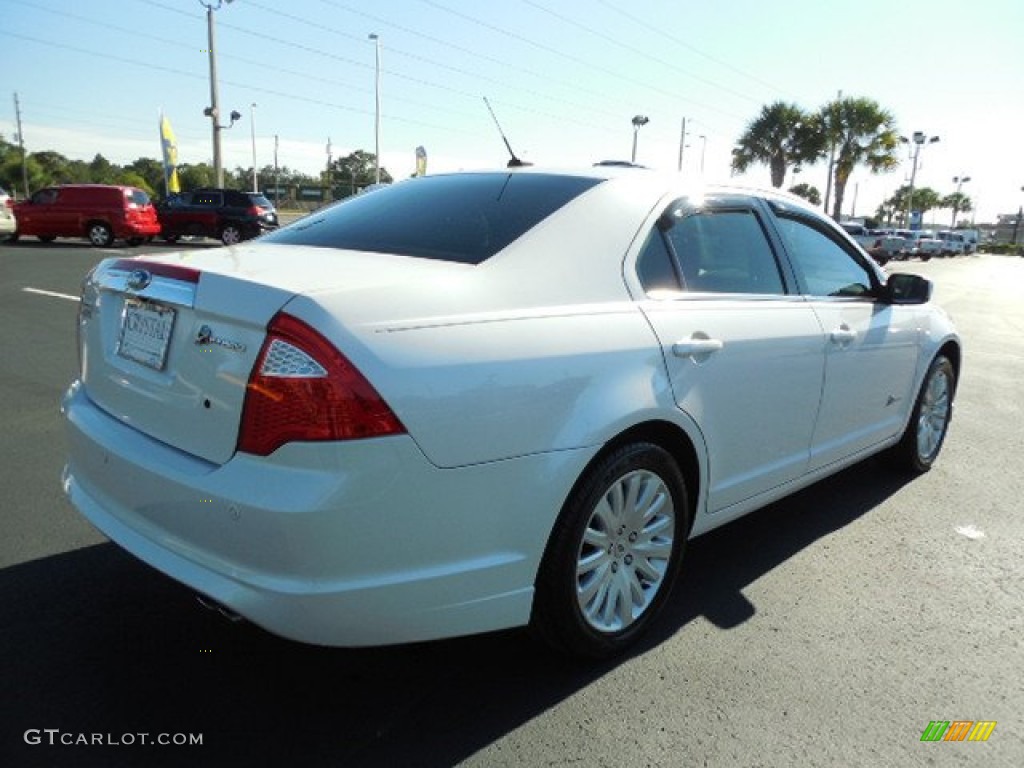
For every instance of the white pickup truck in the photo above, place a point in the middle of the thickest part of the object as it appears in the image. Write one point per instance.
(881, 244)
(923, 243)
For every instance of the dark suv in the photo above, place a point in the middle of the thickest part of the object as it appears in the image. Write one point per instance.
(225, 214)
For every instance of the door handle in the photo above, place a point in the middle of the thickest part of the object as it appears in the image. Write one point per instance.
(843, 335)
(698, 347)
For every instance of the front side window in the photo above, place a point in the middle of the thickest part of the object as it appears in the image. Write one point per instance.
(827, 269)
(725, 252)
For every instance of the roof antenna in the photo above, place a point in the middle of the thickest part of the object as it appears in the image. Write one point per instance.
(514, 162)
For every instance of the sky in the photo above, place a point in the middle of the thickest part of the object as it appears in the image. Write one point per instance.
(564, 77)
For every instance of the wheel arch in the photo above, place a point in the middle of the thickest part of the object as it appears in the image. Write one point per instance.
(951, 350)
(673, 439)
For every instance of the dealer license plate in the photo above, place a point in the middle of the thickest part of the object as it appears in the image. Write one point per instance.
(145, 332)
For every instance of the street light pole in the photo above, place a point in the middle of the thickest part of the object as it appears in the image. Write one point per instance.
(919, 141)
(638, 121)
(213, 111)
(252, 128)
(959, 181)
(703, 150)
(376, 112)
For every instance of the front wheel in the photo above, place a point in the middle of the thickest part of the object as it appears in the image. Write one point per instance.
(929, 421)
(614, 553)
(100, 235)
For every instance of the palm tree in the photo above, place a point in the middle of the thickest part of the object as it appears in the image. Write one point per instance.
(783, 135)
(863, 134)
(808, 192)
(958, 201)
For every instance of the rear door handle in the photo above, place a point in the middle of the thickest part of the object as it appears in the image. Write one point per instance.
(697, 347)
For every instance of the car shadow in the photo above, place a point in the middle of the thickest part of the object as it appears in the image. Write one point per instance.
(94, 642)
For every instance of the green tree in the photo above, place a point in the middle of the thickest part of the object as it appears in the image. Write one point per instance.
(151, 171)
(958, 201)
(782, 136)
(102, 171)
(808, 192)
(863, 134)
(196, 176)
(925, 199)
(351, 173)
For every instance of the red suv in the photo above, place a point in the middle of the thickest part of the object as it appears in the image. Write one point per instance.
(98, 212)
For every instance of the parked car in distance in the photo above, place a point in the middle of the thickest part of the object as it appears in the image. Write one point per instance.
(8, 224)
(474, 401)
(971, 239)
(953, 243)
(888, 242)
(227, 215)
(867, 239)
(923, 243)
(101, 213)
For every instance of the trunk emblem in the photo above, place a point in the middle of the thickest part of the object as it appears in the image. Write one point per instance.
(139, 279)
(205, 336)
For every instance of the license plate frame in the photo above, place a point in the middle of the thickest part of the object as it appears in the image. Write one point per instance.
(145, 334)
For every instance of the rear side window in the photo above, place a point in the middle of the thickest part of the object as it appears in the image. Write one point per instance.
(207, 199)
(464, 218)
(725, 252)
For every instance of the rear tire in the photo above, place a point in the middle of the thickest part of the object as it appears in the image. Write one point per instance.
(929, 421)
(230, 235)
(100, 234)
(614, 553)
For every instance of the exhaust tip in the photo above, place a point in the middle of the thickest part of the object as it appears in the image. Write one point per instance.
(212, 605)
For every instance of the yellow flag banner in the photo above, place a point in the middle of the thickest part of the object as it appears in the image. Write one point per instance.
(170, 151)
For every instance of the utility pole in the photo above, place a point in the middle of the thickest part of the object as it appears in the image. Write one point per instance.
(327, 173)
(682, 143)
(214, 109)
(21, 144)
(376, 112)
(277, 177)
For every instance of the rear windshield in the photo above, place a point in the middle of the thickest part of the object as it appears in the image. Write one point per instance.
(260, 201)
(462, 217)
(137, 196)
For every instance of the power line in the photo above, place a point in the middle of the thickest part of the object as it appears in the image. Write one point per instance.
(576, 59)
(668, 36)
(638, 51)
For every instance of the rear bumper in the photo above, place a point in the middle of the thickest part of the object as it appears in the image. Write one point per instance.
(138, 229)
(359, 543)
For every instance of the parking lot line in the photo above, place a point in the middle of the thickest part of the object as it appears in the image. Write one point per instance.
(54, 294)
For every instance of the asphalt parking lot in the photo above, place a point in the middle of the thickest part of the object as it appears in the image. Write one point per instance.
(829, 629)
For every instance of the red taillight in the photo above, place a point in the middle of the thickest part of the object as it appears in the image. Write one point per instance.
(255, 210)
(302, 388)
(9, 202)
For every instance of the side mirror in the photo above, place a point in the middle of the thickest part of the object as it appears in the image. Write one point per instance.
(902, 288)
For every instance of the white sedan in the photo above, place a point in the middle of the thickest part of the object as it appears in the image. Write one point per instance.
(484, 400)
